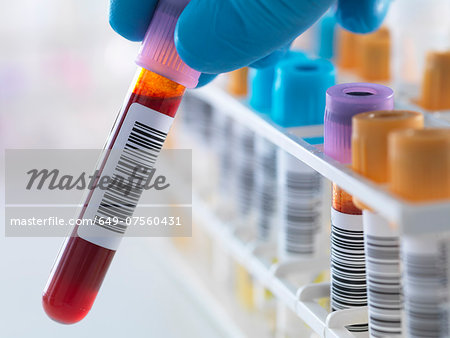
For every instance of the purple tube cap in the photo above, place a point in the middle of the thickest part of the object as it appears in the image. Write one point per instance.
(158, 53)
(343, 101)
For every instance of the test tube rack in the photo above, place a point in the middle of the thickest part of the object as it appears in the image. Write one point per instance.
(410, 218)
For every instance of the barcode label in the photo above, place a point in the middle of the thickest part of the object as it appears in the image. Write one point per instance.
(348, 272)
(445, 303)
(224, 132)
(383, 276)
(243, 164)
(266, 188)
(132, 155)
(424, 261)
(300, 207)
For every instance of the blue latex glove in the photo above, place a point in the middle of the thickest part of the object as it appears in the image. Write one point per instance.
(215, 36)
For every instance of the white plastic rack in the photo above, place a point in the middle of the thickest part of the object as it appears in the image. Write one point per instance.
(304, 301)
(409, 217)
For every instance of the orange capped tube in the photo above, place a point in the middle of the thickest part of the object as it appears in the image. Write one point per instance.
(374, 51)
(420, 171)
(369, 142)
(237, 84)
(435, 94)
(381, 242)
(346, 51)
(420, 164)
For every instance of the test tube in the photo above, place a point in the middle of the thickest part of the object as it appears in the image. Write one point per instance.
(365, 57)
(374, 56)
(435, 89)
(237, 83)
(299, 102)
(261, 84)
(135, 141)
(224, 198)
(346, 50)
(243, 143)
(326, 35)
(265, 201)
(381, 240)
(265, 194)
(348, 274)
(242, 177)
(420, 172)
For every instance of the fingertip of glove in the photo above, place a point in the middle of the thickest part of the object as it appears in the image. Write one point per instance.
(362, 16)
(130, 19)
(129, 33)
(200, 59)
(207, 37)
(205, 79)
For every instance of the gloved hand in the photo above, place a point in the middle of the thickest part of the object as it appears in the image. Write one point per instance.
(215, 36)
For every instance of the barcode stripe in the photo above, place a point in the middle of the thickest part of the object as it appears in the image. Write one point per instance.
(138, 157)
(152, 130)
(383, 282)
(245, 173)
(348, 273)
(266, 188)
(149, 136)
(425, 292)
(300, 212)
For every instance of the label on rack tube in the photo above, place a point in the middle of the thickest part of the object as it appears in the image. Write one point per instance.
(348, 266)
(300, 203)
(265, 188)
(133, 155)
(224, 131)
(244, 167)
(383, 276)
(425, 285)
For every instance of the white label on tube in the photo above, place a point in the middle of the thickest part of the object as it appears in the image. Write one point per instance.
(133, 154)
(425, 285)
(348, 266)
(383, 276)
(265, 199)
(244, 170)
(300, 207)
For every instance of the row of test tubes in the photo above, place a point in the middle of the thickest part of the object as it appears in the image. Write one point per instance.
(276, 200)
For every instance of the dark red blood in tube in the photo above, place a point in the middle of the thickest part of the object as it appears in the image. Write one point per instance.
(81, 266)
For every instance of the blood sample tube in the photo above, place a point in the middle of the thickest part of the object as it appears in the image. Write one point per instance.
(419, 162)
(347, 273)
(381, 240)
(135, 141)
